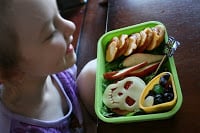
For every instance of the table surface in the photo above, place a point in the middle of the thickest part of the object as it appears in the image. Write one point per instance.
(182, 20)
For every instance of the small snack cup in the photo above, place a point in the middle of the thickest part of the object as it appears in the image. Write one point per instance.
(158, 107)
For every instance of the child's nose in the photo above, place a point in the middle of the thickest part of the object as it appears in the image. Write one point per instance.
(69, 28)
(66, 27)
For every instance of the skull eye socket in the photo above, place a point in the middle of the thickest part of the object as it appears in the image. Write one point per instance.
(128, 84)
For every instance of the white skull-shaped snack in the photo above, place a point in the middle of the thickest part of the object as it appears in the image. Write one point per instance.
(124, 94)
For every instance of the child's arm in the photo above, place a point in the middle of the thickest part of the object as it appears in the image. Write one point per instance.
(86, 90)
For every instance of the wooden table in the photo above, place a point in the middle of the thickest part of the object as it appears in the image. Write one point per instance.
(182, 19)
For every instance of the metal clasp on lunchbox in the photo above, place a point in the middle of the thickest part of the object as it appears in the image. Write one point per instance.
(171, 46)
(169, 50)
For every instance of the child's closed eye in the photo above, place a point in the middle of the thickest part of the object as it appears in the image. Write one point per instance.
(52, 34)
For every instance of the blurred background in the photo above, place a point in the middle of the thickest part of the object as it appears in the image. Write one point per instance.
(65, 5)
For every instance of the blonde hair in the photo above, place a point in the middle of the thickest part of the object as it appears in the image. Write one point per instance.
(9, 56)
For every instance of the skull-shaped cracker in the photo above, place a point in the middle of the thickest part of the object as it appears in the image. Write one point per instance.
(124, 94)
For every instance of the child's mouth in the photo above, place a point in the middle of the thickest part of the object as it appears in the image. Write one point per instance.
(70, 48)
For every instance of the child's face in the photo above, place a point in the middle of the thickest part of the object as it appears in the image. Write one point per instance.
(44, 37)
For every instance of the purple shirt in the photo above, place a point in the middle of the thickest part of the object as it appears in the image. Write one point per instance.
(70, 123)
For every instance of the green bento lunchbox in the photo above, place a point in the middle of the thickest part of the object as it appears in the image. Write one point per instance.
(101, 69)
